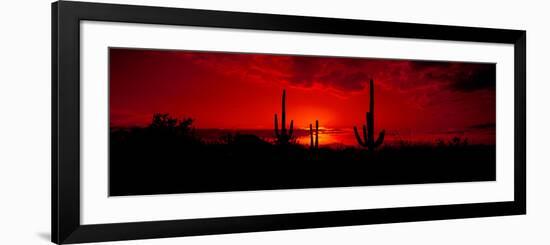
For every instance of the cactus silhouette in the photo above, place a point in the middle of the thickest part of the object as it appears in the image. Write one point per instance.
(283, 136)
(368, 130)
(314, 146)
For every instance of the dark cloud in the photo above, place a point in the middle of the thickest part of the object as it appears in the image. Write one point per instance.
(352, 74)
(421, 64)
(459, 76)
(355, 81)
(305, 70)
(481, 77)
(491, 125)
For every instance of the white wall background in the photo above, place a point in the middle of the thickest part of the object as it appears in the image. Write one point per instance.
(25, 122)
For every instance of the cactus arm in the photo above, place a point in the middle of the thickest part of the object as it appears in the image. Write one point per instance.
(316, 134)
(283, 114)
(380, 139)
(276, 126)
(310, 136)
(357, 136)
(365, 137)
(291, 129)
(366, 134)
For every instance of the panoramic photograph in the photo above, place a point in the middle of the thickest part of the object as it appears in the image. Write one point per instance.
(184, 121)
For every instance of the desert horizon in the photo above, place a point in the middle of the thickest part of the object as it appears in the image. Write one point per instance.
(335, 137)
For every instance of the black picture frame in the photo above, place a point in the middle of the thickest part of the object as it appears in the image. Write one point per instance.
(66, 225)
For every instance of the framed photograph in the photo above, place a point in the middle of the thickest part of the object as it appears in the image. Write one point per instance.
(176, 122)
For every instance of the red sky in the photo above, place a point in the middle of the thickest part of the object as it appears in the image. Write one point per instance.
(236, 91)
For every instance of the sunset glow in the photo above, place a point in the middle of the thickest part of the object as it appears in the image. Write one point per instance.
(415, 100)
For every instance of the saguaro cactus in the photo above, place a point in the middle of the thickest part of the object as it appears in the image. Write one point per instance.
(314, 146)
(283, 136)
(368, 130)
